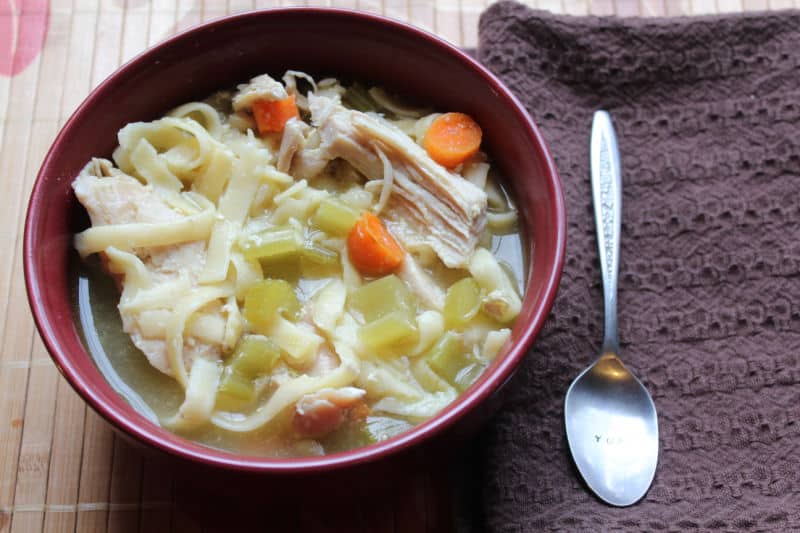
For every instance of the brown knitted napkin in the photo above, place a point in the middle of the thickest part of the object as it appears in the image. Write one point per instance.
(707, 113)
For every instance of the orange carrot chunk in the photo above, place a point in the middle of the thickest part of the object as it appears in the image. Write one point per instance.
(452, 139)
(272, 115)
(371, 248)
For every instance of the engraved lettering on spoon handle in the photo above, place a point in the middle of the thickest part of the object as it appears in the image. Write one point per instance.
(607, 196)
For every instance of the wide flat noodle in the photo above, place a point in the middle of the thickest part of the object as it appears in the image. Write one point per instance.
(203, 114)
(219, 252)
(201, 394)
(137, 277)
(163, 295)
(422, 409)
(139, 235)
(183, 144)
(177, 324)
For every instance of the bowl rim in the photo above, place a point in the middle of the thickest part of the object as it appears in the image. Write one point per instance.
(184, 448)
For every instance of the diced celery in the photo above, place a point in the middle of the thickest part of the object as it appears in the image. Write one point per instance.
(381, 297)
(273, 244)
(320, 256)
(254, 356)
(448, 357)
(334, 218)
(236, 387)
(351, 434)
(266, 299)
(389, 331)
(287, 268)
(467, 375)
(462, 303)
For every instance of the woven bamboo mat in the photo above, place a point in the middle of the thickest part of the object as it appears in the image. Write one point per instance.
(61, 466)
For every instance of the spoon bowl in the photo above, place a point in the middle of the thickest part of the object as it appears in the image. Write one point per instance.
(612, 430)
(610, 418)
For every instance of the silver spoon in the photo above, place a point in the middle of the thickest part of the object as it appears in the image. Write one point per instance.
(611, 421)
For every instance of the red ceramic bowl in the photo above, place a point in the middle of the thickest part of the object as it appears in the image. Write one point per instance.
(228, 51)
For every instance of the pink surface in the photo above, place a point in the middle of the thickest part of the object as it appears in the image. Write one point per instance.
(23, 28)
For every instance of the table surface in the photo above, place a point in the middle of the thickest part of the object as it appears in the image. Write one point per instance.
(61, 466)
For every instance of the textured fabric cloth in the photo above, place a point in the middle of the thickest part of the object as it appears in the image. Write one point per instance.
(707, 114)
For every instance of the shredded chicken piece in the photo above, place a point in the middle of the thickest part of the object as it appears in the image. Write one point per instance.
(259, 88)
(322, 412)
(112, 197)
(293, 138)
(429, 205)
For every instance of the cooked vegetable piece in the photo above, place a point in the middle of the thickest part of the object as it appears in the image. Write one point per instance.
(287, 268)
(254, 355)
(236, 387)
(319, 255)
(372, 249)
(265, 300)
(462, 303)
(380, 297)
(273, 244)
(352, 434)
(272, 115)
(452, 139)
(392, 330)
(448, 357)
(334, 218)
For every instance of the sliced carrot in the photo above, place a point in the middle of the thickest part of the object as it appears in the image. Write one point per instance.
(371, 248)
(452, 139)
(272, 115)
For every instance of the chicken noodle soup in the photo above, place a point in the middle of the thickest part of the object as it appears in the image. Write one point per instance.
(305, 266)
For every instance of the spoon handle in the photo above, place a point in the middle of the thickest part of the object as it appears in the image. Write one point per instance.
(607, 196)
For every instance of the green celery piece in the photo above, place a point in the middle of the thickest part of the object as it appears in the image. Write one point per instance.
(254, 355)
(265, 299)
(447, 357)
(389, 331)
(334, 218)
(273, 244)
(462, 302)
(381, 297)
(287, 268)
(234, 386)
(319, 255)
(351, 434)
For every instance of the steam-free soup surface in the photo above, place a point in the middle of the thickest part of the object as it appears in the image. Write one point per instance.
(296, 267)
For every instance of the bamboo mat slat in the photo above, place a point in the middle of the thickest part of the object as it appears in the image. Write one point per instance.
(62, 469)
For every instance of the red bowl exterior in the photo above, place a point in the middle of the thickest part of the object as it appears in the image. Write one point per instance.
(224, 52)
